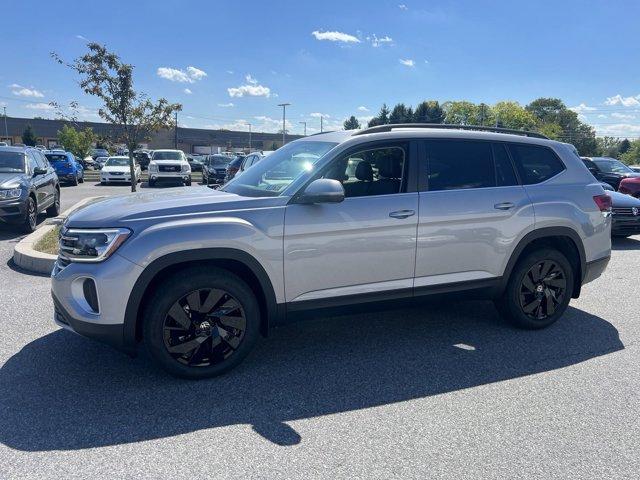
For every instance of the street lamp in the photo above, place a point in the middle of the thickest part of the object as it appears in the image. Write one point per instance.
(284, 113)
(6, 130)
(249, 137)
(305, 127)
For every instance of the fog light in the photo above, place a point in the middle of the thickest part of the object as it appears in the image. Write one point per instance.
(90, 294)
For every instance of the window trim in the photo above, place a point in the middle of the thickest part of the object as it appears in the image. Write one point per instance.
(411, 184)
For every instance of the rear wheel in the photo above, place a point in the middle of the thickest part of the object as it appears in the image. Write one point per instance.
(201, 323)
(539, 290)
(54, 209)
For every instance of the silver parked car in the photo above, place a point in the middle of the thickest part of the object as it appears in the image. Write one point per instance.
(350, 218)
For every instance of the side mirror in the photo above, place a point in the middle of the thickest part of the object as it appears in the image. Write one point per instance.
(39, 171)
(322, 190)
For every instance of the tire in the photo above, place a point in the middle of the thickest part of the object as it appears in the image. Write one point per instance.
(152, 183)
(212, 346)
(31, 220)
(188, 182)
(54, 209)
(103, 183)
(531, 301)
(82, 178)
(75, 180)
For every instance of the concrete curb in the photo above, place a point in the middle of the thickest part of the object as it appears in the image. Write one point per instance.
(24, 255)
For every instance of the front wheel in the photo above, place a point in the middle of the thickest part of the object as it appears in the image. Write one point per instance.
(188, 182)
(75, 180)
(31, 216)
(201, 323)
(539, 290)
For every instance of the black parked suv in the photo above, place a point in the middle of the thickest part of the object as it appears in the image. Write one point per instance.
(609, 170)
(28, 186)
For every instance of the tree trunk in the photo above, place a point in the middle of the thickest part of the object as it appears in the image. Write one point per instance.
(132, 171)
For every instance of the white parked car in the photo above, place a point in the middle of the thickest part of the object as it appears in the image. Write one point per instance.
(169, 165)
(116, 170)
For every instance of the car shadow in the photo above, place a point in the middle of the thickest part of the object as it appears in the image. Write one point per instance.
(14, 232)
(64, 392)
(628, 243)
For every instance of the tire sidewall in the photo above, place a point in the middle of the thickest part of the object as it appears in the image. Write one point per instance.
(511, 305)
(176, 287)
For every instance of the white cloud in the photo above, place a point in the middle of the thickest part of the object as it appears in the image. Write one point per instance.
(335, 37)
(230, 72)
(362, 108)
(21, 91)
(364, 119)
(408, 62)
(226, 105)
(380, 41)
(40, 106)
(619, 130)
(176, 75)
(250, 91)
(250, 79)
(602, 116)
(187, 91)
(402, 6)
(582, 108)
(622, 116)
(196, 73)
(80, 37)
(240, 124)
(318, 115)
(269, 124)
(624, 101)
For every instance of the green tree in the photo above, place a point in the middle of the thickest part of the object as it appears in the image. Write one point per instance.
(382, 118)
(461, 113)
(429, 111)
(351, 123)
(512, 115)
(28, 136)
(551, 130)
(632, 156)
(78, 142)
(401, 114)
(136, 117)
(624, 146)
(608, 147)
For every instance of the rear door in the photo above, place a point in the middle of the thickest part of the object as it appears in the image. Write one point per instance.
(473, 210)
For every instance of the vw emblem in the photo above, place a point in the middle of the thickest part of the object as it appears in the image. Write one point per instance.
(635, 211)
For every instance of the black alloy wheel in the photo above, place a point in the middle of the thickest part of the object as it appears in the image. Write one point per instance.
(542, 290)
(31, 218)
(204, 327)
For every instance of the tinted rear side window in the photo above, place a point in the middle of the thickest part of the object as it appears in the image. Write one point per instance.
(505, 176)
(535, 164)
(456, 165)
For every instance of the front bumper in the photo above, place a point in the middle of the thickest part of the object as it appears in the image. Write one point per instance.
(14, 210)
(175, 176)
(625, 226)
(113, 279)
(115, 178)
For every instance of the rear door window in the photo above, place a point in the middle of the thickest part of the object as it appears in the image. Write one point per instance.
(455, 165)
(535, 163)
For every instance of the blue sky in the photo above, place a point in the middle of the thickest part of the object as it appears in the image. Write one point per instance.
(230, 63)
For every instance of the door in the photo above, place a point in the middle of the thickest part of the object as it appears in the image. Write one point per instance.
(48, 183)
(39, 180)
(362, 246)
(473, 211)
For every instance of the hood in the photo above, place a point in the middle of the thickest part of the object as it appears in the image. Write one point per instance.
(11, 180)
(127, 210)
(116, 168)
(621, 200)
(634, 178)
(172, 162)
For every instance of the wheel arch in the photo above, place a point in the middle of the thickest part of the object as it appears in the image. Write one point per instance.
(564, 239)
(233, 260)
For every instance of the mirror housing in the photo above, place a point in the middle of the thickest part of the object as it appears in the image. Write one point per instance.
(322, 190)
(39, 171)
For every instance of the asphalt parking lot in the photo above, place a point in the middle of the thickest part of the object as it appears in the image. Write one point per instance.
(445, 390)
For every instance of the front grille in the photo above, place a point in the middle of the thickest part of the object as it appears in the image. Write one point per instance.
(169, 168)
(221, 171)
(116, 173)
(626, 211)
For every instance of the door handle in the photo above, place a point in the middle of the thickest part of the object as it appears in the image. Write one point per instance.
(400, 214)
(504, 206)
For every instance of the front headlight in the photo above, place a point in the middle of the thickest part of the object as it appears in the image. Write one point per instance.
(153, 167)
(11, 193)
(85, 245)
(186, 167)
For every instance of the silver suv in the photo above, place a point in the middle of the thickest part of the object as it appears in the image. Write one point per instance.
(353, 218)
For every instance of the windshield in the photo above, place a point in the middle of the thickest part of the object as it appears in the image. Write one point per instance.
(167, 155)
(117, 162)
(11, 162)
(612, 166)
(56, 157)
(271, 176)
(218, 161)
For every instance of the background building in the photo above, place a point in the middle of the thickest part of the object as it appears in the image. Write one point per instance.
(190, 140)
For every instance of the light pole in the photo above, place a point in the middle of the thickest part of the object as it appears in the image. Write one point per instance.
(249, 137)
(320, 123)
(305, 127)
(284, 114)
(6, 130)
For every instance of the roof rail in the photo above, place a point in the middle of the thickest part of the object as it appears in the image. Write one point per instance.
(446, 126)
